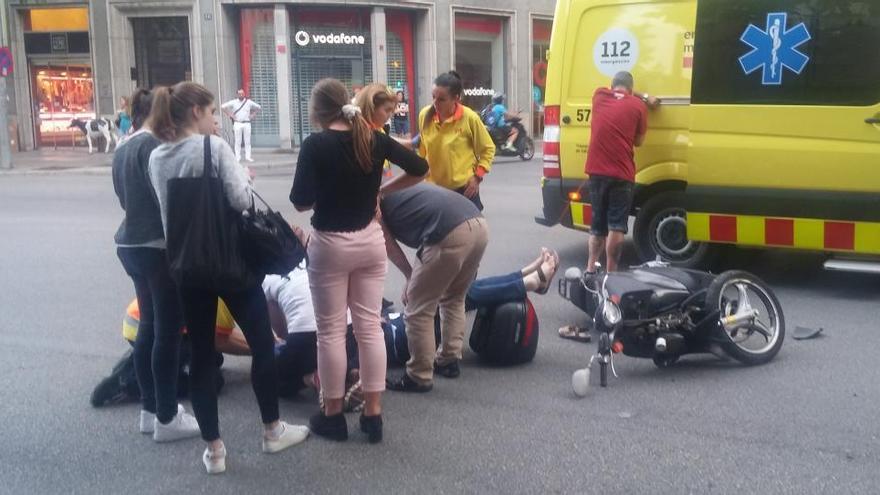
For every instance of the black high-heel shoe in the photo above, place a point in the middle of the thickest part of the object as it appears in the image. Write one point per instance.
(372, 426)
(330, 427)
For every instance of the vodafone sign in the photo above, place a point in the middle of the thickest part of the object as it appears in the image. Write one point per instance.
(303, 38)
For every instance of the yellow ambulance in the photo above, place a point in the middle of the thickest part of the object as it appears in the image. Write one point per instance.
(769, 128)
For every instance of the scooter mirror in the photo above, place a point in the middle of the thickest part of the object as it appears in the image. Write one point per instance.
(580, 382)
(573, 274)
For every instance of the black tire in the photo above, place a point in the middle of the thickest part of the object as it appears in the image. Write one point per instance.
(714, 296)
(661, 230)
(528, 150)
(603, 374)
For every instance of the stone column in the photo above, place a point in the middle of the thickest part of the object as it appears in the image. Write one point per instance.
(99, 36)
(282, 81)
(378, 50)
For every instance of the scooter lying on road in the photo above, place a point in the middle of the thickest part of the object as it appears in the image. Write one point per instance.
(525, 147)
(660, 312)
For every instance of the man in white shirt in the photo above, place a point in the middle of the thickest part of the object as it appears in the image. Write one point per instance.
(241, 110)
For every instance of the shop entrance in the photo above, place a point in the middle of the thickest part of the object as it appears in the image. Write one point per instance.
(162, 52)
(327, 44)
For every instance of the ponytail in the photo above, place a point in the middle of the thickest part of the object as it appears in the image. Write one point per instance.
(362, 134)
(172, 108)
(329, 103)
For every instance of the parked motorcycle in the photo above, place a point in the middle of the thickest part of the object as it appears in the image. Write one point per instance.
(525, 147)
(660, 312)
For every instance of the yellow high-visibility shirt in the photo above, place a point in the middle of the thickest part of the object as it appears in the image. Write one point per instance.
(224, 326)
(456, 147)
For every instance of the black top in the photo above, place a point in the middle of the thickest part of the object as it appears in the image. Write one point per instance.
(425, 214)
(329, 178)
(131, 181)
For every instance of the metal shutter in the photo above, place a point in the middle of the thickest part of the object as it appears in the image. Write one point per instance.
(351, 64)
(264, 87)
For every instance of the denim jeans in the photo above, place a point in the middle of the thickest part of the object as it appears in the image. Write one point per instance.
(492, 291)
(157, 347)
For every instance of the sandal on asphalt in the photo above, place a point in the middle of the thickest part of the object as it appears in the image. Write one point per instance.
(545, 279)
(573, 332)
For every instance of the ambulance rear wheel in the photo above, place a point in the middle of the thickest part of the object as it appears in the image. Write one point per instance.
(661, 231)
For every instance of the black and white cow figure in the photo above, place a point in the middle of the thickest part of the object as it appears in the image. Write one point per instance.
(95, 128)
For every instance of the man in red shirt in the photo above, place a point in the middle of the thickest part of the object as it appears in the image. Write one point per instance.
(619, 123)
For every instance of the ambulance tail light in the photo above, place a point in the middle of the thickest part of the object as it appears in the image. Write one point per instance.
(551, 142)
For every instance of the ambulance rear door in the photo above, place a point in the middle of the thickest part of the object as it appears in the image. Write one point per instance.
(651, 39)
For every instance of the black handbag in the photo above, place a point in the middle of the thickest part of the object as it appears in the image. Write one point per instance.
(270, 246)
(203, 242)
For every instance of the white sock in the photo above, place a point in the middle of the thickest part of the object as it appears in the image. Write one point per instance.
(276, 432)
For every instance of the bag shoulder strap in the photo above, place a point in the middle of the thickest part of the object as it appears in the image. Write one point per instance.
(208, 167)
(245, 102)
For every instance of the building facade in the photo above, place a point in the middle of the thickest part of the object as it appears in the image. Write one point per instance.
(78, 59)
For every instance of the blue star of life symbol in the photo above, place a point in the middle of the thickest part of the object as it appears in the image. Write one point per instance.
(775, 49)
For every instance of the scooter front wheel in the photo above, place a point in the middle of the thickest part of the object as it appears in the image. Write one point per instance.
(528, 150)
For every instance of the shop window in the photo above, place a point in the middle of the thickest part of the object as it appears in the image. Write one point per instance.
(401, 63)
(259, 73)
(44, 20)
(540, 45)
(480, 58)
(843, 66)
(61, 93)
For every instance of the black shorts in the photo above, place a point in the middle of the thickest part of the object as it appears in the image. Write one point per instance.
(611, 200)
(295, 359)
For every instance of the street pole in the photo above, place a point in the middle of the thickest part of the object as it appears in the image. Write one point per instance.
(5, 152)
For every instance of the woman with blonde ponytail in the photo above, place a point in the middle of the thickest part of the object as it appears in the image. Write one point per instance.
(338, 175)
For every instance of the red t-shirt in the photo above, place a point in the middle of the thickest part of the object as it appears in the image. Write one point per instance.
(616, 121)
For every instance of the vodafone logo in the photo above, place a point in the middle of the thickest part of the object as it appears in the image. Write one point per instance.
(481, 91)
(303, 38)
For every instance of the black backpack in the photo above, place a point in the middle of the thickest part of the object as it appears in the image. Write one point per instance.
(506, 334)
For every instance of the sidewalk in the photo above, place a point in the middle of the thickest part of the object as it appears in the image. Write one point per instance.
(77, 160)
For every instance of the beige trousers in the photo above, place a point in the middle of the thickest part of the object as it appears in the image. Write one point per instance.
(441, 278)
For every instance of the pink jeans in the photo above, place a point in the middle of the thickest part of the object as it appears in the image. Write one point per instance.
(347, 271)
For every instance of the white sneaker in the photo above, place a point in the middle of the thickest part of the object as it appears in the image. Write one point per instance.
(290, 435)
(146, 422)
(215, 462)
(249, 160)
(183, 425)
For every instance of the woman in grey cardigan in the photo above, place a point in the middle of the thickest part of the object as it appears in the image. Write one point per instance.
(182, 115)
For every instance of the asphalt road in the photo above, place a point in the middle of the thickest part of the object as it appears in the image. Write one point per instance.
(805, 423)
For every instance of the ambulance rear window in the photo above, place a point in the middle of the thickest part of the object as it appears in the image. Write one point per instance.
(807, 52)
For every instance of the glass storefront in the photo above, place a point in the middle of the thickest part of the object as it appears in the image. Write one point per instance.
(62, 87)
(259, 73)
(540, 45)
(401, 59)
(327, 43)
(480, 49)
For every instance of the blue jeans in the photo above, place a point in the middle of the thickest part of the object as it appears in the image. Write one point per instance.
(492, 291)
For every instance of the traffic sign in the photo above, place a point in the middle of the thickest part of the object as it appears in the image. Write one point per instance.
(5, 61)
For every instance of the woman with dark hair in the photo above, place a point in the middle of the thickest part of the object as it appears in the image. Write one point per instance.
(454, 140)
(140, 242)
(182, 117)
(338, 174)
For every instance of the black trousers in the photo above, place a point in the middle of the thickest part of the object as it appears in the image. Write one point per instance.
(157, 347)
(249, 309)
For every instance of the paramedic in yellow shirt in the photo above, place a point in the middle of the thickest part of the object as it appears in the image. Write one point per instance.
(454, 140)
